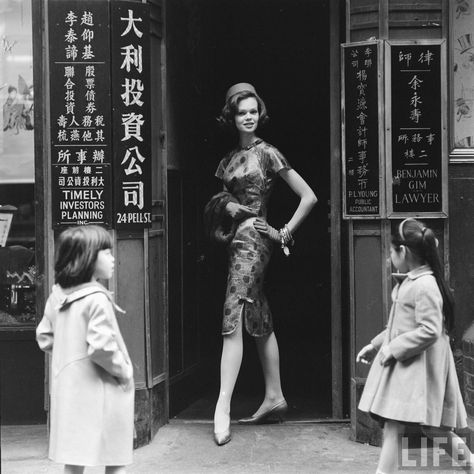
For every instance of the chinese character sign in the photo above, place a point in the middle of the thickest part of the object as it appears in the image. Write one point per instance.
(361, 157)
(415, 121)
(80, 112)
(131, 104)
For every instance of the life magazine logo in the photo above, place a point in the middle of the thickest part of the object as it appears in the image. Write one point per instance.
(434, 450)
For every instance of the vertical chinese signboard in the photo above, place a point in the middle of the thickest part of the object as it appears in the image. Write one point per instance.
(80, 108)
(131, 115)
(361, 130)
(416, 124)
(99, 69)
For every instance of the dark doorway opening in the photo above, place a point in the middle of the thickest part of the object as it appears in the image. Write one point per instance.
(282, 47)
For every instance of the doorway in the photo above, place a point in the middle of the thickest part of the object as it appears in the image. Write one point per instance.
(282, 47)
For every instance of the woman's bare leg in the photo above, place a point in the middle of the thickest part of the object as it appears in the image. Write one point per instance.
(267, 347)
(231, 360)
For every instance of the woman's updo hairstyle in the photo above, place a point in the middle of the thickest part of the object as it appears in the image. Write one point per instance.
(231, 107)
(76, 254)
(423, 244)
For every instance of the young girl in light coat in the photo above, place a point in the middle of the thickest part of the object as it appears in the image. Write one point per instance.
(413, 376)
(91, 389)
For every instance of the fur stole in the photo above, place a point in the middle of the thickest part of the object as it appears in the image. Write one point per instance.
(218, 225)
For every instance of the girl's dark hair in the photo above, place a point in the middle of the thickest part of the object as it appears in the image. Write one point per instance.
(422, 241)
(76, 254)
(231, 107)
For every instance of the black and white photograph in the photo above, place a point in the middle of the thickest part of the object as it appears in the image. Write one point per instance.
(236, 236)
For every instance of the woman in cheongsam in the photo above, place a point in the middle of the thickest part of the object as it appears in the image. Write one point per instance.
(249, 173)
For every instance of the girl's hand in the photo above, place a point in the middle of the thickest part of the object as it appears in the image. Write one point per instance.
(265, 229)
(125, 384)
(238, 211)
(385, 355)
(366, 354)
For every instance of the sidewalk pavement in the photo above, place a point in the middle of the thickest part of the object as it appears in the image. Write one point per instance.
(183, 447)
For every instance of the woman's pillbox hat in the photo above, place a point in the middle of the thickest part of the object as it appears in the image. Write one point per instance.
(240, 87)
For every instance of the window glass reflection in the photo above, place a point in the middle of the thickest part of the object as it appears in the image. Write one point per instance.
(17, 231)
(462, 50)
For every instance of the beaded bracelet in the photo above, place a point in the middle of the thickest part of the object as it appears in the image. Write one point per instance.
(286, 238)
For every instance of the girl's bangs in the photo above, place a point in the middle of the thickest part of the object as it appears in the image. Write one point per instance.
(104, 239)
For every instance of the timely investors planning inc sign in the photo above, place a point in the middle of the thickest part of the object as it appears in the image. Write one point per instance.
(80, 110)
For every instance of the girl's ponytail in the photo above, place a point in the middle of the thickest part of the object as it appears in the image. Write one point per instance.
(431, 255)
(422, 241)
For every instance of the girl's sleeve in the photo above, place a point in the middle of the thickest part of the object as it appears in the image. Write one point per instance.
(101, 337)
(377, 341)
(429, 320)
(277, 161)
(44, 332)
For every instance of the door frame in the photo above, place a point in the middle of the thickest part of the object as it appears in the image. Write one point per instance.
(335, 210)
(338, 353)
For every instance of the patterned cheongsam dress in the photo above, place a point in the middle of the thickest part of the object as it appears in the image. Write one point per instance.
(249, 174)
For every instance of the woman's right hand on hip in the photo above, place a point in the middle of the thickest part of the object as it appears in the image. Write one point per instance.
(266, 229)
(238, 211)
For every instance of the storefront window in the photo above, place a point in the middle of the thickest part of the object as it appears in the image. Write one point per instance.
(462, 54)
(17, 231)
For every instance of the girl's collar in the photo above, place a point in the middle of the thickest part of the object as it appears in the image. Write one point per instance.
(419, 271)
(413, 274)
(82, 286)
(69, 295)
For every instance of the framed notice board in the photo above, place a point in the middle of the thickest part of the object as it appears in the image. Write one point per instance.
(80, 107)
(362, 130)
(416, 128)
(100, 110)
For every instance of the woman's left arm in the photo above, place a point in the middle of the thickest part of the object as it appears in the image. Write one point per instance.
(307, 197)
